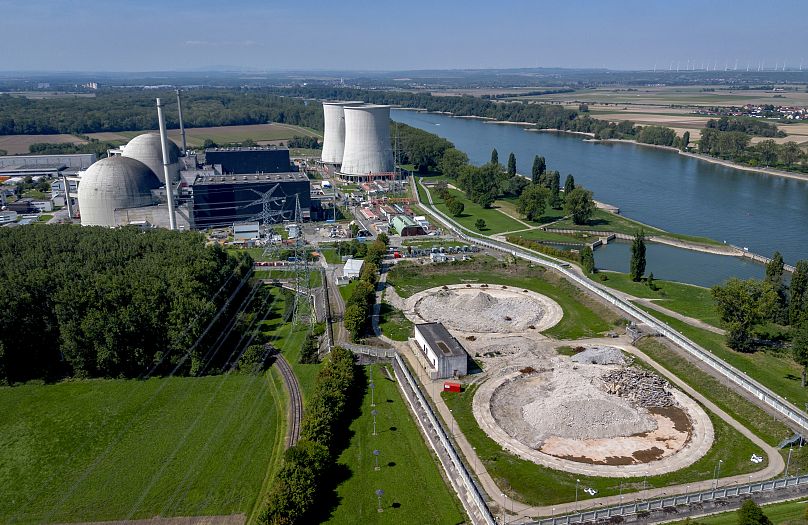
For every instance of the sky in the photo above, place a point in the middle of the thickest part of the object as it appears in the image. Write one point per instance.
(159, 35)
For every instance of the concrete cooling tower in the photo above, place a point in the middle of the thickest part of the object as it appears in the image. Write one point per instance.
(367, 141)
(334, 136)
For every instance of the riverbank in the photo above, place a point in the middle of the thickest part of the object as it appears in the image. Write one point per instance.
(713, 160)
(551, 130)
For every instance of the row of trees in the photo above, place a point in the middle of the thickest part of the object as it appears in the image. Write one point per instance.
(133, 109)
(417, 147)
(359, 306)
(97, 302)
(308, 466)
(736, 146)
(746, 305)
(748, 125)
(304, 142)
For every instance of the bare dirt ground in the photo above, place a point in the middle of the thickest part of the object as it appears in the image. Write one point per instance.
(484, 309)
(18, 144)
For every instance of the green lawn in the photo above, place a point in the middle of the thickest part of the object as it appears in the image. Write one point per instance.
(528, 482)
(791, 512)
(113, 449)
(414, 490)
(583, 317)
(394, 324)
(778, 371)
(541, 235)
(611, 222)
(331, 255)
(717, 391)
(693, 301)
(315, 279)
(45, 217)
(496, 222)
(346, 290)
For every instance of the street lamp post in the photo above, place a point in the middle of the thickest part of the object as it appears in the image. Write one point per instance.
(379, 494)
(577, 482)
(374, 413)
(372, 392)
(376, 458)
(503, 508)
(717, 473)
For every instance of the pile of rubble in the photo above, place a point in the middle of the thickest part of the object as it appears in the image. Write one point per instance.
(639, 386)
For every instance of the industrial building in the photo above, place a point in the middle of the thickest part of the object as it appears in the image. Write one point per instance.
(222, 200)
(147, 148)
(115, 183)
(259, 159)
(352, 268)
(445, 355)
(406, 226)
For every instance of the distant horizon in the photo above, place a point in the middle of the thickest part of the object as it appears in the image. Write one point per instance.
(356, 35)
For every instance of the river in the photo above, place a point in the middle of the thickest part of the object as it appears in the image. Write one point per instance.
(673, 192)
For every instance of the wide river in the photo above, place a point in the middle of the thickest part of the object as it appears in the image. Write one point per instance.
(661, 188)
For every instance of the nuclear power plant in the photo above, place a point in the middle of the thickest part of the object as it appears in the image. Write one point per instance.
(357, 141)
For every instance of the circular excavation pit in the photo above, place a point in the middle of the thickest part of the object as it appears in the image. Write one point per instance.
(592, 414)
(486, 309)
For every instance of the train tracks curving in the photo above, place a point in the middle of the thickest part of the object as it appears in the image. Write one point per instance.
(295, 401)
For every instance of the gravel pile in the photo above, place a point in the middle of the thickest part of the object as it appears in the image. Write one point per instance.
(478, 311)
(601, 355)
(639, 386)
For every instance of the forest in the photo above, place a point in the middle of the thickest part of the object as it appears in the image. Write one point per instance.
(97, 302)
(134, 109)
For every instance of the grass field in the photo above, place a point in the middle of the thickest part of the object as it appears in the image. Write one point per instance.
(791, 512)
(582, 316)
(394, 324)
(778, 371)
(113, 449)
(749, 415)
(611, 222)
(690, 300)
(414, 490)
(528, 482)
(261, 133)
(496, 221)
(18, 144)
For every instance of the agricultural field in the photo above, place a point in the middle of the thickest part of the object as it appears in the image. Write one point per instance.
(18, 144)
(271, 133)
(414, 489)
(89, 450)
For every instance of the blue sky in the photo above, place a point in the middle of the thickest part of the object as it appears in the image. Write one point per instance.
(116, 35)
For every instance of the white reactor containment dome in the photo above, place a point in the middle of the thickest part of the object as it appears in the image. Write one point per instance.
(111, 184)
(148, 149)
(367, 141)
(334, 135)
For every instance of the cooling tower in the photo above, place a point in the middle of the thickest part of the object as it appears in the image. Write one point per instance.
(334, 136)
(367, 141)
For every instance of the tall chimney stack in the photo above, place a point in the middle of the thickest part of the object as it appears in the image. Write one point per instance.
(182, 126)
(172, 219)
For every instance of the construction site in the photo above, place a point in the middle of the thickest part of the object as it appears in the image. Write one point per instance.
(595, 412)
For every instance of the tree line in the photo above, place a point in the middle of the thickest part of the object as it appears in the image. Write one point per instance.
(308, 467)
(98, 302)
(736, 146)
(359, 306)
(134, 109)
(759, 312)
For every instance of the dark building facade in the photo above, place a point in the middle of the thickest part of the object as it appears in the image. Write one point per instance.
(264, 159)
(222, 200)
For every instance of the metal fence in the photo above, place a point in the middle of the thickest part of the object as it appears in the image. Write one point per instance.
(669, 502)
(471, 487)
(768, 397)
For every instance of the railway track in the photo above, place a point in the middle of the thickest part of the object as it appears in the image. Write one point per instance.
(295, 401)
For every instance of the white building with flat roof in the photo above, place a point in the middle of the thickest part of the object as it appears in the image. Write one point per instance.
(352, 268)
(445, 354)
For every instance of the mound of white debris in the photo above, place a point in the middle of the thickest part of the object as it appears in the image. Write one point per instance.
(601, 355)
(481, 311)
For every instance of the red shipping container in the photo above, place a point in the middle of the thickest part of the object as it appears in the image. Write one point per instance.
(452, 386)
